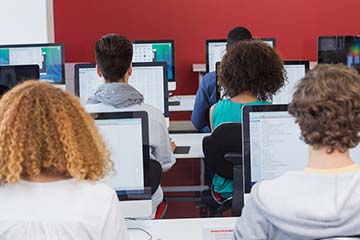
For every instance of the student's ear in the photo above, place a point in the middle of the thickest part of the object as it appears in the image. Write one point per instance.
(99, 73)
(130, 70)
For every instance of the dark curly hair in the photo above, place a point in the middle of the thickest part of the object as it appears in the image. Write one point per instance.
(251, 66)
(326, 105)
(113, 55)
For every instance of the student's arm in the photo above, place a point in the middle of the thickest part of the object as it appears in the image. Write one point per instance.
(160, 146)
(252, 224)
(205, 97)
(114, 225)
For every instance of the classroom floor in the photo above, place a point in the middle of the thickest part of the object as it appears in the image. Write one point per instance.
(186, 172)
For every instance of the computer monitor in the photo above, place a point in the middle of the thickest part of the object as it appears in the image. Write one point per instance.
(10, 76)
(339, 49)
(49, 57)
(216, 49)
(272, 144)
(157, 51)
(149, 79)
(295, 70)
(126, 135)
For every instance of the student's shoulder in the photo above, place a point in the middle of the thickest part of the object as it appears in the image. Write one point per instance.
(97, 191)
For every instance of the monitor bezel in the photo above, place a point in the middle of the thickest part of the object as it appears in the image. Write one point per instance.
(172, 42)
(207, 43)
(61, 45)
(124, 195)
(79, 66)
(246, 136)
(268, 39)
(331, 36)
(304, 62)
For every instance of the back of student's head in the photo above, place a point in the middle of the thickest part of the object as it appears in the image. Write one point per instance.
(251, 66)
(44, 130)
(326, 105)
(113, 55)
(238, 34)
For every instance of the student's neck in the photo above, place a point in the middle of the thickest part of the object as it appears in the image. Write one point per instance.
(46, 178)
(121, 80)
(320, 159)
(244, 97)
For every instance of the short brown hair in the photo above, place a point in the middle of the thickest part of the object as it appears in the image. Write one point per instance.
(326, 105)
(251, 66)
(44, 130)
(113, 55)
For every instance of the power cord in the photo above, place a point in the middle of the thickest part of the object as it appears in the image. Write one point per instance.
(143, 230)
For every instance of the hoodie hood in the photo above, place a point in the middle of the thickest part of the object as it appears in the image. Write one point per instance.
(311, 205)
(117, 94)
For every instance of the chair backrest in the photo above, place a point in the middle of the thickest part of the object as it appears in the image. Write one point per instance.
(226, 138)
(155, 175)
(342, 238)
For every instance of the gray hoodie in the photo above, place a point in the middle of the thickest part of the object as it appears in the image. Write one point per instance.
(302, 205)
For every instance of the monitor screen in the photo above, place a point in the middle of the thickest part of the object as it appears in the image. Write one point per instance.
(10, 76)
(126, 137)
(148, 78)
(339, 49)
(295, 70)
(216, 49)
(49, 58)
(272, 144)
(157, 51)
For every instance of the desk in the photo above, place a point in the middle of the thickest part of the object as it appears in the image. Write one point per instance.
(186, 103)
(194, 140)
(178, 229)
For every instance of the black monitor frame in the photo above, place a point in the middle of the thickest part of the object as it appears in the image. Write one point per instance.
(44, 45)
(246, 137)
(172, 42)
(123, 195)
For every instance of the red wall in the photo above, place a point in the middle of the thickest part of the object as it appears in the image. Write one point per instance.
(295, 24)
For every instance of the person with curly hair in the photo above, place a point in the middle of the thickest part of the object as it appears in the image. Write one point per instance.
(113, 55)
(321, 201)
(251, 72)
(51, 157)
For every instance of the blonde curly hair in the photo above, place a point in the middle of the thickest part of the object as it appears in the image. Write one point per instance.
(44, 130)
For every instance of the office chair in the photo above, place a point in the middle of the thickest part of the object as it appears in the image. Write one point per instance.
(155, 176)
(342, 238)
(223, 151)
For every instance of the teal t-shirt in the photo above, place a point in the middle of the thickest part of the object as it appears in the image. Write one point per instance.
(227, 111)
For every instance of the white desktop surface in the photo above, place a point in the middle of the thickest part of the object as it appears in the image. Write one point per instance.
(186, 103)
(194, 140)
(178, 229)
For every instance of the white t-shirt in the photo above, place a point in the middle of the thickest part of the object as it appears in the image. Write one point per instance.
(66, 210)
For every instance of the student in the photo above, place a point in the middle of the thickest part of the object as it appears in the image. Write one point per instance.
(51, 156)
(322, 200)
(113, 64)
(207, 92)
(251, 73)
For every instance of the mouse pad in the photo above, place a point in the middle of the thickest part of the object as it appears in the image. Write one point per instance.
(182, 149)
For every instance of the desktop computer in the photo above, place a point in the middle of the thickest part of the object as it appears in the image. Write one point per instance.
(126, 135)
(49, 58)
(295, 70)
(339, 49)
(12, 75)
(272, 145)
(216, 48)
(157, 51)
(150, 79)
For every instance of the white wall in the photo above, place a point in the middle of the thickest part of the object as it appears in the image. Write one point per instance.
(26, 21)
